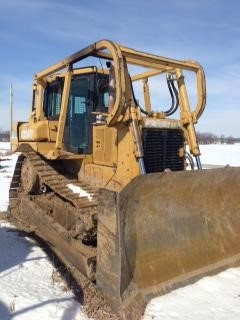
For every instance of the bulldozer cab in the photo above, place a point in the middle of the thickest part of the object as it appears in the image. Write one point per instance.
(88, 94)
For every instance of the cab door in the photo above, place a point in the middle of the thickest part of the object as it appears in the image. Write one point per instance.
(78, 133)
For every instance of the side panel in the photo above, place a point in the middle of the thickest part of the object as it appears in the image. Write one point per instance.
(104, 146)
(34, 131)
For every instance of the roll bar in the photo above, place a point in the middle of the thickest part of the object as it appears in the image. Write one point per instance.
(121, 56)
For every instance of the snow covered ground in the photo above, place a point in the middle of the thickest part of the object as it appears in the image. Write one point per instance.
(29, 285)
(29, 290)
(220, 154)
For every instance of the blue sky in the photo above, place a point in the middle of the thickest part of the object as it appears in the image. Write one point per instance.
(36, 34)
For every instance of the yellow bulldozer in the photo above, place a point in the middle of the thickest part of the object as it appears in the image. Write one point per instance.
(103, 176)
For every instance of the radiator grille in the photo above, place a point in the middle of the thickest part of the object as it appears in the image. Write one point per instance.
(161, 149)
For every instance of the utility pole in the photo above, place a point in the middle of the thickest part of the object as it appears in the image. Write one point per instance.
(11, 110)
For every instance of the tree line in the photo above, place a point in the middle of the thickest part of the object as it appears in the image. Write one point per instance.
(4, 135)
(210, 138)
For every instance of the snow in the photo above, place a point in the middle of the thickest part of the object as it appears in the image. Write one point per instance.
(7, 168)
(4, 147)
(29, 288)
(80, 191)
(220, 154)
(215, 297)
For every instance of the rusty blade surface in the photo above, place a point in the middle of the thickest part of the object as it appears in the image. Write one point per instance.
(179, 226)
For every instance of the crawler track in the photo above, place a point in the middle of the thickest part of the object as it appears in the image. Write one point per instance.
(65, 220)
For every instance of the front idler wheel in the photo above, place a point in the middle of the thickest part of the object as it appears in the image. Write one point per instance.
(29, 177)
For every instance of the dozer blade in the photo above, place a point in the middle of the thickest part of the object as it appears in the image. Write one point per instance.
(165, 230)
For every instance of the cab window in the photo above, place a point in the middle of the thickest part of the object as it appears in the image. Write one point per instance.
(52, 100)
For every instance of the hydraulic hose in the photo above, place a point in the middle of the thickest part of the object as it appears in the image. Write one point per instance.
(173, 93)
(174, 96)
(190, 159)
